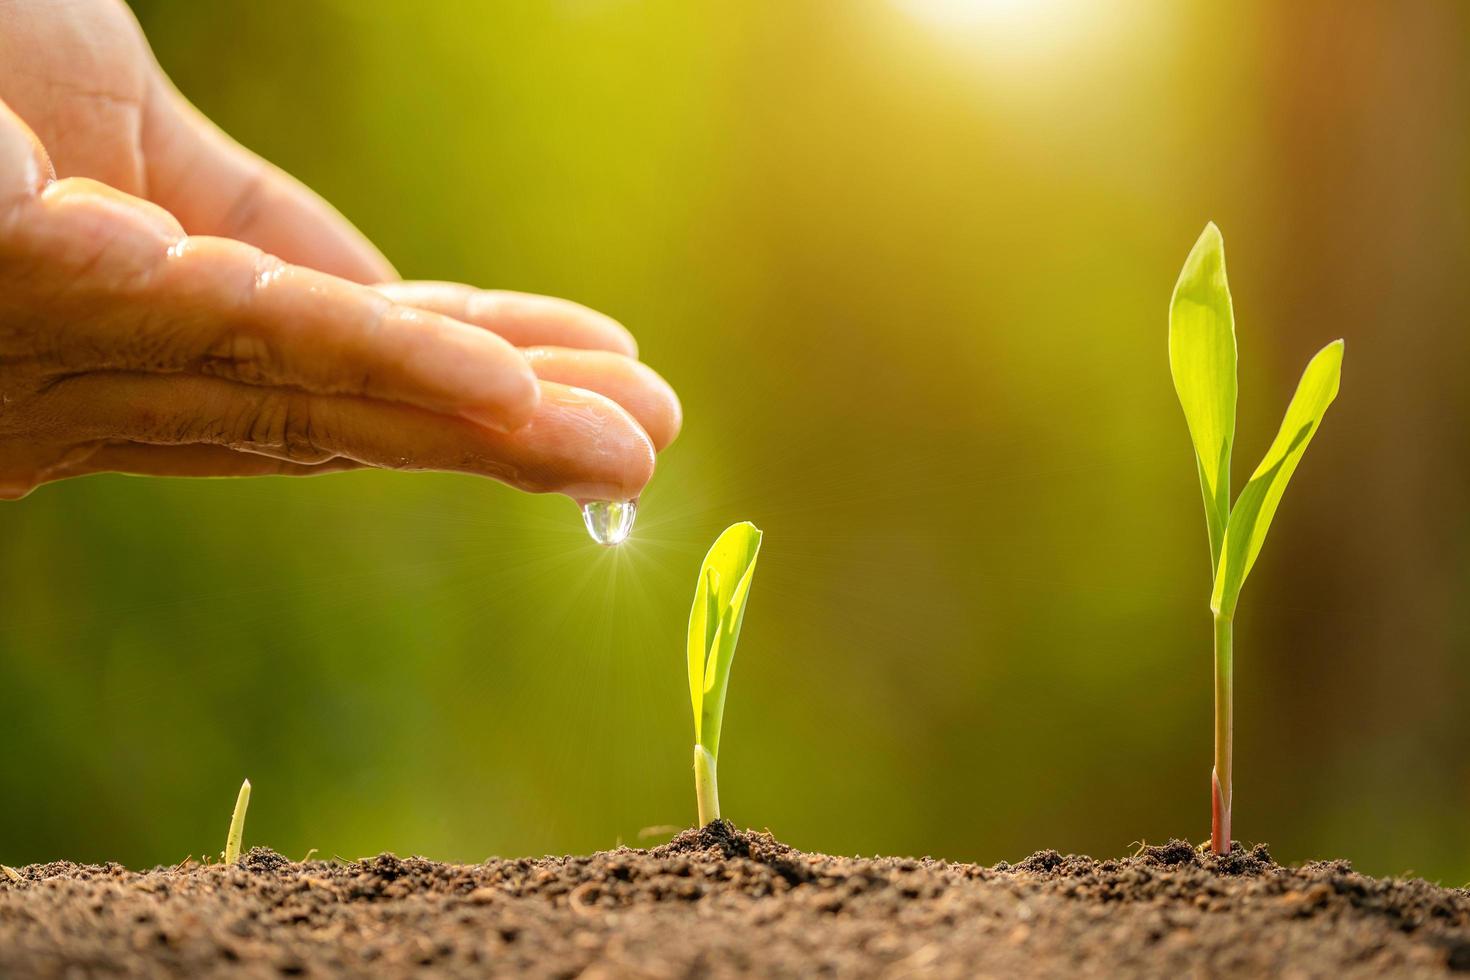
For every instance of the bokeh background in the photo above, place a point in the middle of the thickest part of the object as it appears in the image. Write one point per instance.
(908, 263)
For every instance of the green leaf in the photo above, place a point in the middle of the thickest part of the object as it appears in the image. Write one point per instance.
(1251, 518)
(237, 825)
(1202, 361)
(714, 626)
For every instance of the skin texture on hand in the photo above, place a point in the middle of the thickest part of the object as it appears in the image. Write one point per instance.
(171, 304)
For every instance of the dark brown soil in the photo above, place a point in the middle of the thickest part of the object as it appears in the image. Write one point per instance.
(716, 902)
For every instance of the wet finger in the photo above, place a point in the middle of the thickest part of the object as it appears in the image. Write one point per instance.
(200, 460)
(138, 296)
(300, 327)
(578, 442)
(633, 385)
(524, 319)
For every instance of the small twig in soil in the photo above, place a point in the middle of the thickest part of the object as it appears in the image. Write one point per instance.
(661, 830)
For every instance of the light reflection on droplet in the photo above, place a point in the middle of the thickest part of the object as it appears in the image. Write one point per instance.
(610, 521)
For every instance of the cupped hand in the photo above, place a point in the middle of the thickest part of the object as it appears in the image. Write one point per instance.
(171, 304)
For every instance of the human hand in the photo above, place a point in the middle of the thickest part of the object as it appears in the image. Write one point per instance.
(173, 305)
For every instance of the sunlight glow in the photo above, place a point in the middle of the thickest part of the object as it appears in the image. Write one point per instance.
(1014, 31)
(965, 13)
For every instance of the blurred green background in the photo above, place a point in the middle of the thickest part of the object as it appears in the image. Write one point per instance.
(908, 264)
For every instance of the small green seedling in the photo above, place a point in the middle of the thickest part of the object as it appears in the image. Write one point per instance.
(1202, 360)
(714, 629)
(237, 824)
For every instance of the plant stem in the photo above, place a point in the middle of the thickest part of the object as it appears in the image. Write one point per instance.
(237, 824)
(705, 789)
(1224, 735)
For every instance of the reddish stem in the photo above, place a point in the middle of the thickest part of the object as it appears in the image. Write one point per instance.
(1219, 818)
(1222, 796)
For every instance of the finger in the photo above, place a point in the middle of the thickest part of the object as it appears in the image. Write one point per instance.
(24, 165)
(199, 460)
(578, 443)
(214, 186)
(304, 328)
(524, 319)
(633, 385)
(138, 296)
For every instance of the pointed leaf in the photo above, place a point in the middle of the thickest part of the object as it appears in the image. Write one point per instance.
(714, 626)
(1202, 361)
(704, 625)
(1251, 518)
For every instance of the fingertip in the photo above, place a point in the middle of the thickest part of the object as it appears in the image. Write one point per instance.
(602, 453)
(674, 422)
(469, 372)
(362, 263)
(104, 213)
(659, 410)
(512, 406)
(634, 385)
(549, 320)
(524, 319)
(25, 166)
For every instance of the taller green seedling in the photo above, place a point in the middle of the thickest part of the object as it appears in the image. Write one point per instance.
(1202, 359)
(714, 629)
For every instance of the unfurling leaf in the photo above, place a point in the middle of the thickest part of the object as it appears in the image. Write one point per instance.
(714, 626)
(1202, 361)
(1251, 518)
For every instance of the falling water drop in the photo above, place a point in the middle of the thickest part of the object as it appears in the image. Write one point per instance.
(609, 521)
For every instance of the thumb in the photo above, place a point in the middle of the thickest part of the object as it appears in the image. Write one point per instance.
(24, 166)
(214, 186)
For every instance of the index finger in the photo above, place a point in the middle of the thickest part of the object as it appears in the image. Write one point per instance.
(137, 295)
(261, 321)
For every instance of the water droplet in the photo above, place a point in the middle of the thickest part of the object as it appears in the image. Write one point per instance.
(610, 521)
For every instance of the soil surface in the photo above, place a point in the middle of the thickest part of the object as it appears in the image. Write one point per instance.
(717, 902)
